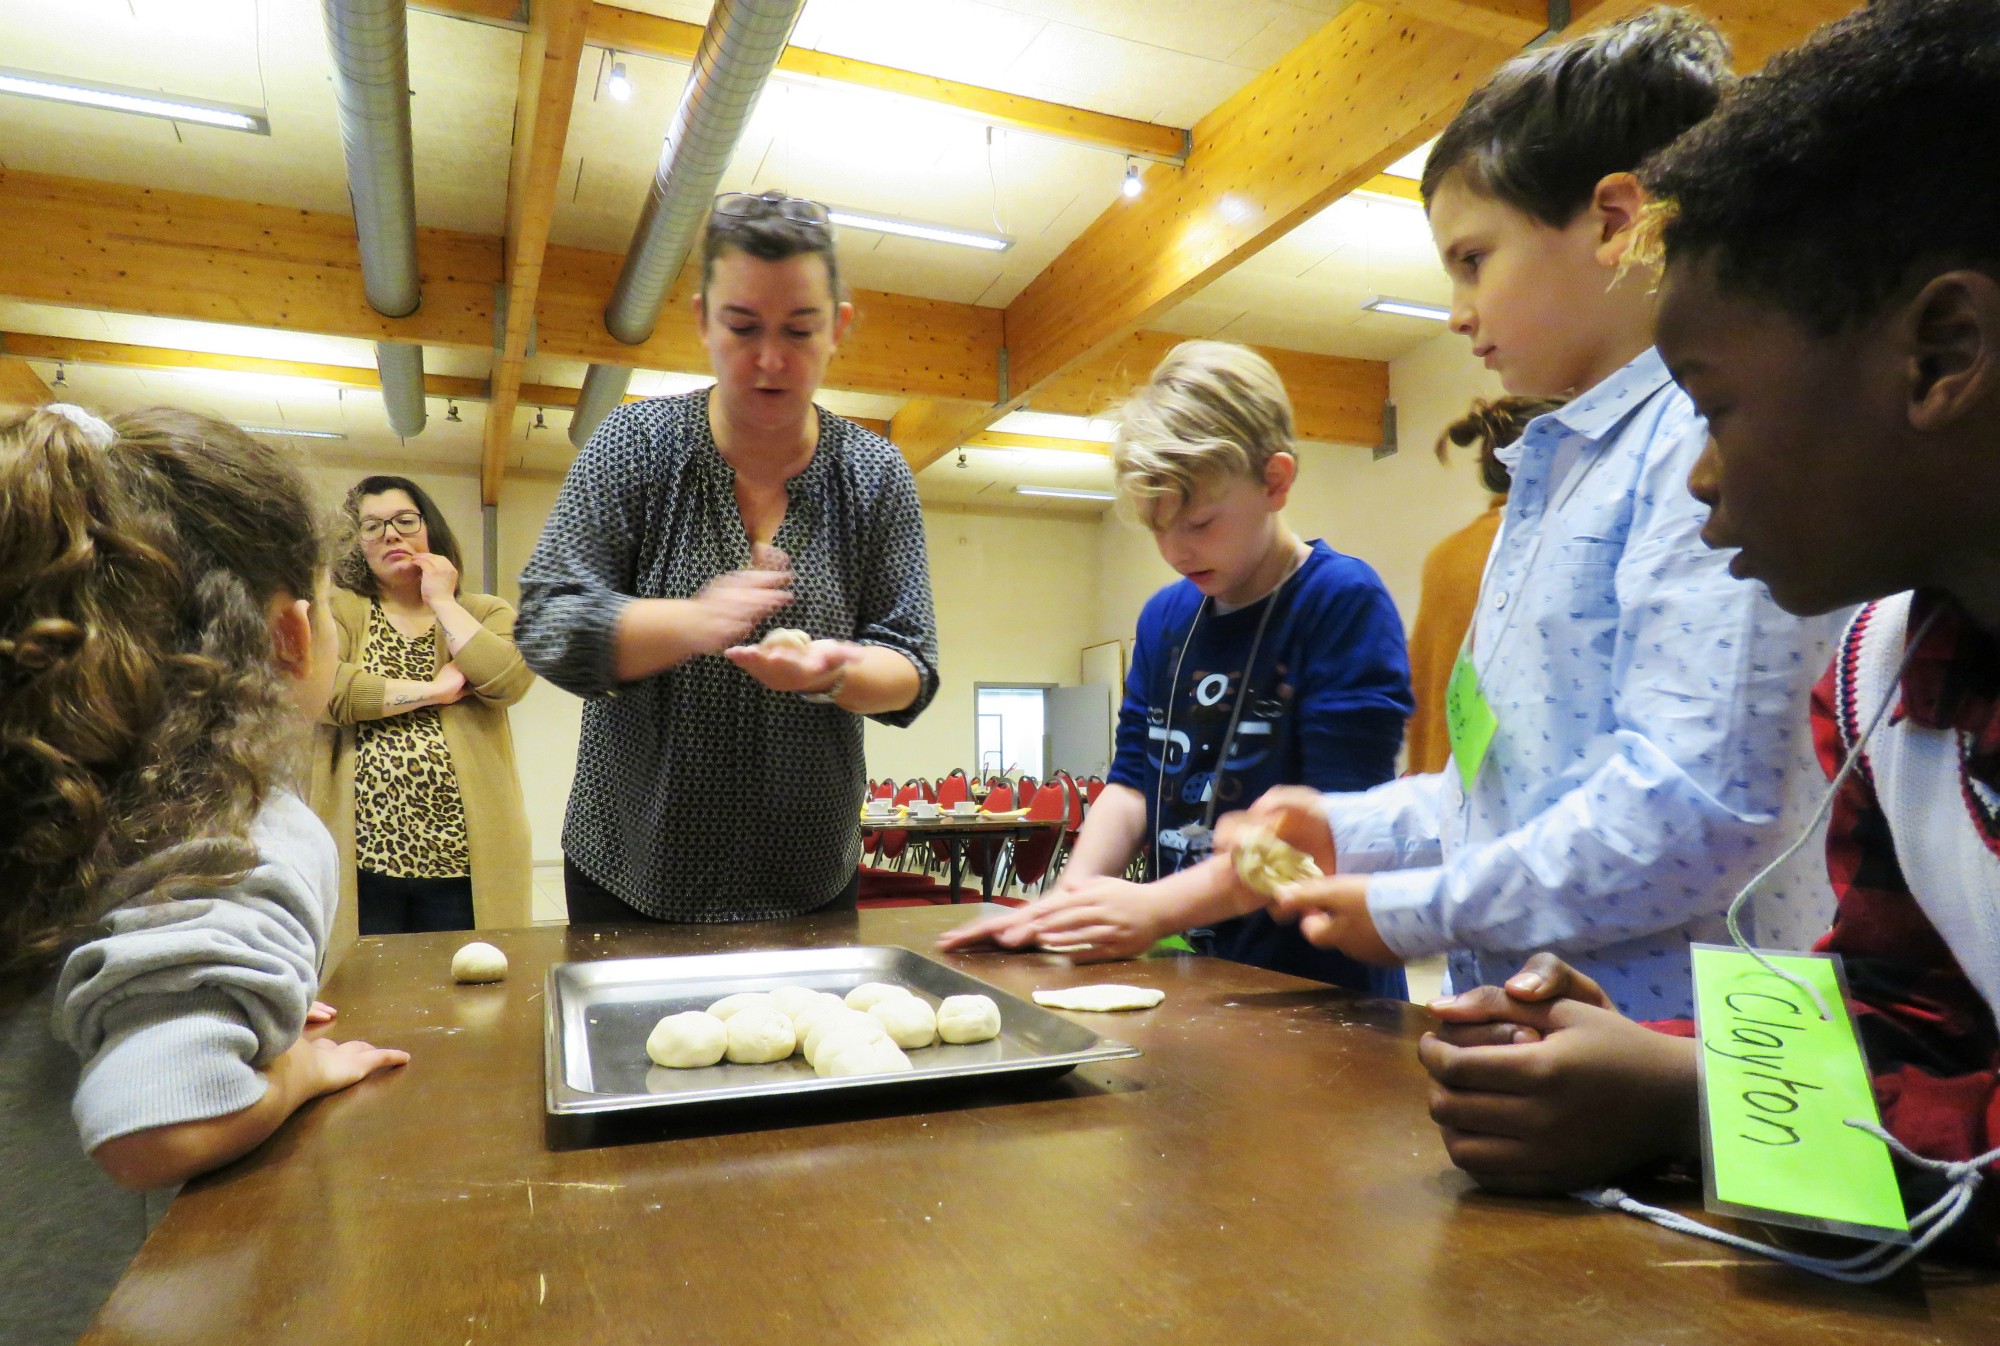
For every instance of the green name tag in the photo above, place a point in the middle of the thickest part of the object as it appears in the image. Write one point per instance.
(1778, 1085)
(1468, 721)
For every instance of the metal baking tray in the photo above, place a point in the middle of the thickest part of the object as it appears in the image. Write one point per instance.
(599, 1014)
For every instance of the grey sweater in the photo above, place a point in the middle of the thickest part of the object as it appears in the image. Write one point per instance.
(167, 1017)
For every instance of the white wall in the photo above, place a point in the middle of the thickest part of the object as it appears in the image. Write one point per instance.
(1015, 597)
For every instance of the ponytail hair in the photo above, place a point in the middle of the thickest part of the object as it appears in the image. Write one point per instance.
(1493, 426)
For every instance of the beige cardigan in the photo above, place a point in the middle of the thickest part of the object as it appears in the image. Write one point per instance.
(482, 757)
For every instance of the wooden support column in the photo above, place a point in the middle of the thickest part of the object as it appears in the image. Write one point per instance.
(550, 55)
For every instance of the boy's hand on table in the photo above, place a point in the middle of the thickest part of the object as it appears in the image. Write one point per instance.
(1489, 1015)
(1594, 1096)
(1113, 918)
(321, 1013)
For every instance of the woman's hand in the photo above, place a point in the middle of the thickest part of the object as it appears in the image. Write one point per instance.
(437, 579)
(785, 668)
(448, 686)
(730, 607)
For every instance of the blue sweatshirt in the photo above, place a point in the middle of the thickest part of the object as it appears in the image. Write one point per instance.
(1329, 693)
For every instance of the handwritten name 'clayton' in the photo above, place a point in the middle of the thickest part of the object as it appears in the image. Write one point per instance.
(1763, 1051)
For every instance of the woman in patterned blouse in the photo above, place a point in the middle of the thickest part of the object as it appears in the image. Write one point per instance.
(420, 784)
(719, 779)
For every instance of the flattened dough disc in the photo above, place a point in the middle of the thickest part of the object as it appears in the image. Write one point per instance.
(1102, 998)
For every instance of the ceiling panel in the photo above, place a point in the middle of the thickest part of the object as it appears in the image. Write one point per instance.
(269, 53)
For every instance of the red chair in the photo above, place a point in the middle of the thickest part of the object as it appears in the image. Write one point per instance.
(1024, 788)
(953, 789)
(1035, 853)
(982, 857)
(896, 839)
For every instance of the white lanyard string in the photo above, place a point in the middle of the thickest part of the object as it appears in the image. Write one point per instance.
(1963, 1177)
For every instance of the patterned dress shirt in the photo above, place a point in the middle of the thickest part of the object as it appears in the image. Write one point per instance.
(1652, 749)
(701, 794)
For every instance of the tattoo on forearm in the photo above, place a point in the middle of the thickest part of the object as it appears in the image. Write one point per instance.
(406, 699)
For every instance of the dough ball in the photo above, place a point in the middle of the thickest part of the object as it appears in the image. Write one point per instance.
(1265, 862)
(848, 1022)
(478, 962)
(787, 638)
(806, 1019)
(789, 1000)
(869, 994)
(759, 1035)
(685, 1041)
(731, 1005)
(855, 1056)
(910, 1022)
(968, 1018)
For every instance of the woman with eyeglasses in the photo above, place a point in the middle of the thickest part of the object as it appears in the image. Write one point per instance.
(720, 778)
(415, 776)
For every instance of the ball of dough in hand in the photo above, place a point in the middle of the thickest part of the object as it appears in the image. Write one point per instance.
(760, 1035)
(787, 638)
(1266, 863)
(686, 1041)
(869, 994)
(968, 1018)
(789, 1000)
(855, 1056)
(731, 1005)
(910, 1021)
(478, 961)
(845, 1023)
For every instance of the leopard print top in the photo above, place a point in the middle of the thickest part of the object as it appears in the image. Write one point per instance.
(409, 819)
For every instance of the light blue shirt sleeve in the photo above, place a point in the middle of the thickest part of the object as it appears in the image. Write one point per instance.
(1393, 826)
(1652, 726)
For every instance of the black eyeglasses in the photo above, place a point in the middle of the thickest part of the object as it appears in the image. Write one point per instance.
(744, 206)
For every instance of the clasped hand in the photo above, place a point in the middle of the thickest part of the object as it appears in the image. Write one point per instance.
(1541, 1086)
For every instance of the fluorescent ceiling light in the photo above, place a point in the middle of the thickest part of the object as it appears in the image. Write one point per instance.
(141, 101)
(1061, 494)
(1054, 425)
(290, 432)
(935, 233)
(1407, 308)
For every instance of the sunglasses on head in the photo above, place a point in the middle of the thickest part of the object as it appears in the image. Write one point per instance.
(745, 206)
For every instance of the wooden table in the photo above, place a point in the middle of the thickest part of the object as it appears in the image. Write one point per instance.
(1265, 1173)
(955, 832)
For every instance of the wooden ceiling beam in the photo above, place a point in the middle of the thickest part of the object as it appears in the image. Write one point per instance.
(1515, 22)
(1332, 113)
(627, 30)
(499, 13)
(121, 249)
(550, 55)
(118, 355)
(20, 385)
(1007, 439)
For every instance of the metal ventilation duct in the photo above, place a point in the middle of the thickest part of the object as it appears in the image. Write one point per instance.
(739, 49)
(369, 40)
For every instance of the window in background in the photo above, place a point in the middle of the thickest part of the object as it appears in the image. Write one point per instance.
(1012, 725)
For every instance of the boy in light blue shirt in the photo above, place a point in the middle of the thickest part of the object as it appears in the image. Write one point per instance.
(1632, 743)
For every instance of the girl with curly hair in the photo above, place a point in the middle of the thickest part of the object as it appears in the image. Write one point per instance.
(164, 892)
